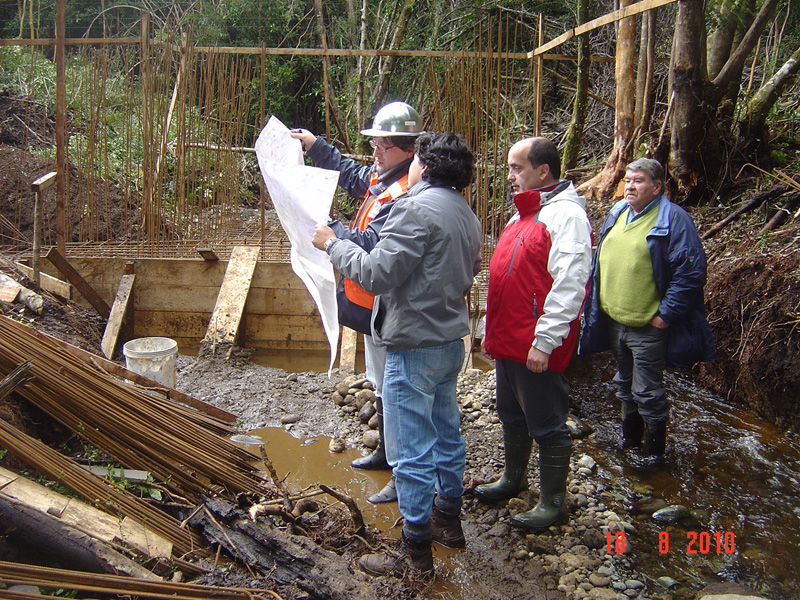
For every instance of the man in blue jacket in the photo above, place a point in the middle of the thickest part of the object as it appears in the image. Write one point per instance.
(646, 302)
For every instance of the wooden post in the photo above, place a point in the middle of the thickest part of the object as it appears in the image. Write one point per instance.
(61, 128)
(347, 357)
(86, 290)
(537, 118)
(38, 186)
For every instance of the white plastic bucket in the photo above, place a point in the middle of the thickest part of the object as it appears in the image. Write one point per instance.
(153, 357)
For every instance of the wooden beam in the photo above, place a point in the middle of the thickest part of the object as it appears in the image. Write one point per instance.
(117, 315)
(87, 291)
(62, 182)
(48, 282)
(347, 358)
(228, 310)
(622, 13)
(207, 254)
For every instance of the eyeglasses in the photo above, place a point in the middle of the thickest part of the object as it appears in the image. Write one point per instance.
(378, 146)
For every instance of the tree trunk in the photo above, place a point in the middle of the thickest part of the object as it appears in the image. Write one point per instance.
(753, 128)
(689, 119)
(625, 107)
(645, 99)
(387, 65)
(574, 136)
(360, 74)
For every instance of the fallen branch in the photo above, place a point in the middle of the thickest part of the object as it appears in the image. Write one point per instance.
(783, 213)
(756, 201)
(284, 558)
(355, 512)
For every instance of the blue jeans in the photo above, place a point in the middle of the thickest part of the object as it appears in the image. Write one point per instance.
(424, 443)
(641, 354)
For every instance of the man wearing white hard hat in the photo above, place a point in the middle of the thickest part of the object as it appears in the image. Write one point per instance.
(394, 132)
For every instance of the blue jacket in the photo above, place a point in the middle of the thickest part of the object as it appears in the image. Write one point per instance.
(679, 270)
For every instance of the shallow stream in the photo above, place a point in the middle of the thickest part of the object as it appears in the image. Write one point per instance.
(736, 474)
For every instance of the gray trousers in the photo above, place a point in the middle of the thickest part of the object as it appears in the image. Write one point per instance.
(641, 357)
(538, 402)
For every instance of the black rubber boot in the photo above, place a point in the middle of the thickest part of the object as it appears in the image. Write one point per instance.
(387, 494)
(632, 430)
(552, 506)
(655, 440)
(375, 461)
(518, 451)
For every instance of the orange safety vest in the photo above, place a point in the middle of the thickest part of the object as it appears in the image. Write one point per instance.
(368, 211)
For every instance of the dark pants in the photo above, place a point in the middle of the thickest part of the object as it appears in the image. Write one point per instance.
(538, 402)
(641, 357)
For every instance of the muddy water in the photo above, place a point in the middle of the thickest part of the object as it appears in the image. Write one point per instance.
(737, 475)
(305, 462)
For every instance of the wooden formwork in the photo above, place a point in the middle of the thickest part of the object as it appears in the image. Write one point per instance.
(175, 298)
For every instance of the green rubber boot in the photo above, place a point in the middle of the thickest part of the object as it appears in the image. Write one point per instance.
(552, 506)
(517, 444)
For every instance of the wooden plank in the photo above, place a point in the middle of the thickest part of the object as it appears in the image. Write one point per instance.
(8, 293)
(202, 299)
(207, 254)
(47, 282)
(86, 290)
(117, 315)
(347, 357)
(227, 313)
(622, 13)
(44, 182)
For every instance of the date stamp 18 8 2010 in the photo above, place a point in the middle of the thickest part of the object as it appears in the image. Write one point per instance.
(696, 542)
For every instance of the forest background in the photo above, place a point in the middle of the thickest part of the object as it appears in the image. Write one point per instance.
(708, 88)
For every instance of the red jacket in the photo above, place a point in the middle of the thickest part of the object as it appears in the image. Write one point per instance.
(538, 276)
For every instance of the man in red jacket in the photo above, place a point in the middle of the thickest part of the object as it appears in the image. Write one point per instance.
(537, 285)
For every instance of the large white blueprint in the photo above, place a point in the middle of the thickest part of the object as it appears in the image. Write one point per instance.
(302, 197)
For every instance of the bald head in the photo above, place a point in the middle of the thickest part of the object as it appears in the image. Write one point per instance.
(533, 163)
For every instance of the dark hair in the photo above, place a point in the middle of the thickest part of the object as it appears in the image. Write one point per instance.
(404, 142)
(448, 158)
(544, 152)
(650, 166)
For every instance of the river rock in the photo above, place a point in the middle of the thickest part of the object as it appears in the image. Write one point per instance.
(666, 582)
(671, 514)
(336, 445)
(599, 580)
(539, 544)
(592, 538)
(602, 594)
(587, 462)
(364, 396)
(370, 438)
(366, 412)
(373, 421)
(290, 418)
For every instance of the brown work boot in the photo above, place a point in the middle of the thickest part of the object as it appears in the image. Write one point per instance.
(447, 529)
(410, 558)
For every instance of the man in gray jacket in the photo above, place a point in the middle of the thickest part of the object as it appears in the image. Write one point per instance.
(420, 271)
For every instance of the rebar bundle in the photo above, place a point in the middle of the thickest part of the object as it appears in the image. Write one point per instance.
(135, 427)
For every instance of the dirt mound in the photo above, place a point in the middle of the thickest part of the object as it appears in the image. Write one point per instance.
(753, 301)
